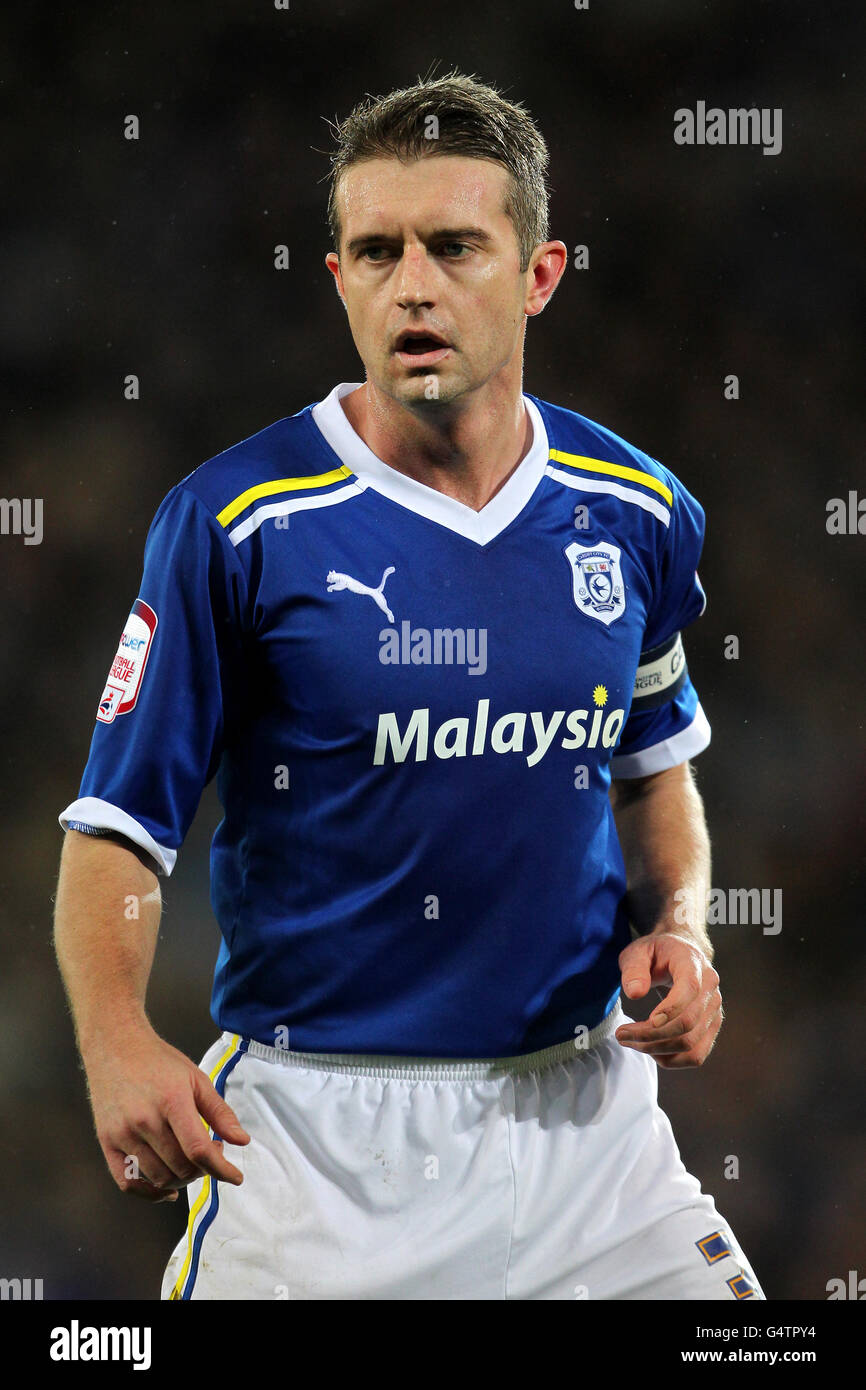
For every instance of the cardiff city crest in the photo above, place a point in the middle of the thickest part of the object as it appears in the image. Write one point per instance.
(597, 578)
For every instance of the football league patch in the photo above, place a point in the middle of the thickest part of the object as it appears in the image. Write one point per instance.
(124, 678)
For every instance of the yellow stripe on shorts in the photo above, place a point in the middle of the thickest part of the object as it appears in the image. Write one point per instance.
(206, 1185)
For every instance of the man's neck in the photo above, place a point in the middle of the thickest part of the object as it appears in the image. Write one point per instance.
(468, 454)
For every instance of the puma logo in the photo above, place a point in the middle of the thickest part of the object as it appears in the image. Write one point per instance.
(337, 581)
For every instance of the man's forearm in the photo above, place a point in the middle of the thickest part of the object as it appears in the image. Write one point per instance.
(666, 849)
(152, 1106)
(106, 922)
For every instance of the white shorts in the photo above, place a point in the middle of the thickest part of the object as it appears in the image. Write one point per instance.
(549, 1176)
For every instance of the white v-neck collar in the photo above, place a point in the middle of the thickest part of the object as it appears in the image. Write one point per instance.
(371, 471)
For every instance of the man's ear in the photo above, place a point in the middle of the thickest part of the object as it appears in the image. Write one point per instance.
(547, 266)
(332, 261)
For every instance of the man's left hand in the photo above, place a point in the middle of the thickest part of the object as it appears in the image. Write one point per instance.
(681, 1030)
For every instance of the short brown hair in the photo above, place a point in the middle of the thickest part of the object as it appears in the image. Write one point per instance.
(474, 120)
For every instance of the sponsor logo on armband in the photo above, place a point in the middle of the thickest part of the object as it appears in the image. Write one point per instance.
(660, 675)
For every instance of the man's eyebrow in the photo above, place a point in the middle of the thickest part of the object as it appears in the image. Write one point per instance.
(360, 243)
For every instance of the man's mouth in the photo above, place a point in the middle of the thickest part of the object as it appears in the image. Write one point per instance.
(420, 347)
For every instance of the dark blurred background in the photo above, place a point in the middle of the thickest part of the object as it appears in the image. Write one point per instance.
(156, 257)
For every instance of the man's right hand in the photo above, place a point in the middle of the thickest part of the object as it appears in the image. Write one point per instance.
(152, 1104)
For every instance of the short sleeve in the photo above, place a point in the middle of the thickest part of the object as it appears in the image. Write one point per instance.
(161, 719)
(666, 723)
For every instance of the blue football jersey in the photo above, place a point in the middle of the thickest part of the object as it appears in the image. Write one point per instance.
(413, 711)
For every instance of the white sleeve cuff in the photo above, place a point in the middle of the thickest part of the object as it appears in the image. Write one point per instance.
(101, 815)
(671, 751)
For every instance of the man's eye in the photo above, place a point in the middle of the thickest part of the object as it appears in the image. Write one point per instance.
(371, 251)
(450, 245)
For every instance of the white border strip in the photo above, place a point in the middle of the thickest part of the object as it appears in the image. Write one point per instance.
(292, 504)
(625, 494)
(102, 815)
(671, 751)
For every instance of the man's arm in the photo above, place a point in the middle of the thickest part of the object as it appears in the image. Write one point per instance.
(148, 1099)
(666, 849)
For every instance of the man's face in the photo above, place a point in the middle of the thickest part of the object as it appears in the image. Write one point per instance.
(427, 246)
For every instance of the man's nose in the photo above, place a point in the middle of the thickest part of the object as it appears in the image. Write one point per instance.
(415, 278)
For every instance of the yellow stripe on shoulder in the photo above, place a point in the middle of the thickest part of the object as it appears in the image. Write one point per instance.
(252, 494)
(616, 470)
